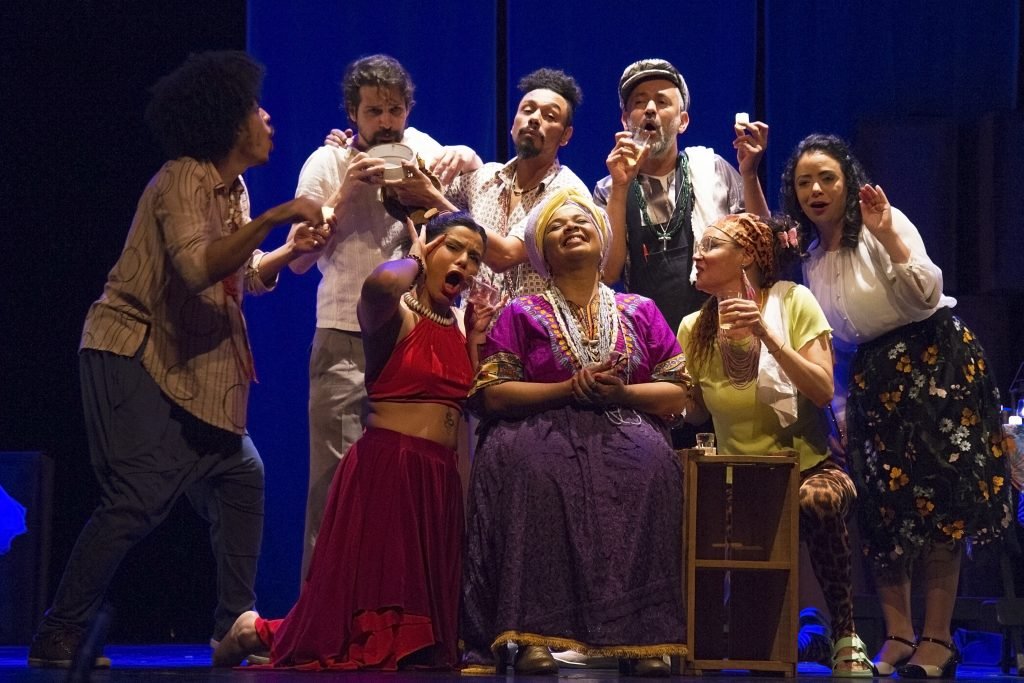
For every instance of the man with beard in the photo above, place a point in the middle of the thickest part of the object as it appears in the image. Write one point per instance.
(378, 96)
(660, 199)
(500, 196)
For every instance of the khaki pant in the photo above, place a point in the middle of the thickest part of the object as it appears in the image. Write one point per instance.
(337, 411)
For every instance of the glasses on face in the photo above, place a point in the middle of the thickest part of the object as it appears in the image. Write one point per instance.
(709, 242)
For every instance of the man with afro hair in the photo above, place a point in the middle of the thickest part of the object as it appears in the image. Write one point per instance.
(164, 361)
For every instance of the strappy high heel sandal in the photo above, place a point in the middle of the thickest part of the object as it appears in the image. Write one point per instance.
(887, 669)
(858, 655)
(945, 670)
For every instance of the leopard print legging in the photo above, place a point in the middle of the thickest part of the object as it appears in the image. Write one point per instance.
(826, 494)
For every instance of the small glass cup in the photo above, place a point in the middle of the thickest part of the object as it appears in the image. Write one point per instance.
(640, 138)
(483, 293)
(706, 443)
(728, 296)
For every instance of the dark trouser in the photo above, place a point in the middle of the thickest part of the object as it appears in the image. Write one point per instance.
(146, 452)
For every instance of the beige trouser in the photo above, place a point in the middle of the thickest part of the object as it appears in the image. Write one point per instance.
(337, 411)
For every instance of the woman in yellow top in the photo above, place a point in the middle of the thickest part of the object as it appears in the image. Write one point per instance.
(759, 352)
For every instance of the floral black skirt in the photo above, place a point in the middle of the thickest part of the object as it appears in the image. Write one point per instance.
(925, 442)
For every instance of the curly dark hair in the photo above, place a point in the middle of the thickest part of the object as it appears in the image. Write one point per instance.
(783, 259)
(381, 71)
(853, 175)
(198, 109)
(443, 222)
(557, 81)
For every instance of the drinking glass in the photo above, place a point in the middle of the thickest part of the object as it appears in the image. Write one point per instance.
(706, 442)
(640, 138)
(738, 294)
(484, 293)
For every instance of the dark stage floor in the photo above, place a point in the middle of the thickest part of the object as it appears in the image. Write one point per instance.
(188, 663)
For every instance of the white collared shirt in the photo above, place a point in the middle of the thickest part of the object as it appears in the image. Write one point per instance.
(864, 294)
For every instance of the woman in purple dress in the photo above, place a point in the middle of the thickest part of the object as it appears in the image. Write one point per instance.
(575, 502)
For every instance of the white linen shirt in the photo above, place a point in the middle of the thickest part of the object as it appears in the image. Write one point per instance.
(365, 236)
(864, 294)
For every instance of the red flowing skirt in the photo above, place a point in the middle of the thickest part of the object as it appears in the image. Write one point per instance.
(384, 579)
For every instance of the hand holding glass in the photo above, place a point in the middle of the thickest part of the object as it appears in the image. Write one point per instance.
(724, 299)
(640, 137)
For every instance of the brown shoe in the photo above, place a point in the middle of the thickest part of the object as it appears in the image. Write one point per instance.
(57, 649)
(535, 660)
(649, 667)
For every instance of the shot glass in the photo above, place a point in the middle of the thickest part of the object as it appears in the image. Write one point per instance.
(722, 300)
(640, 138)
(483, 293)
(706, 442)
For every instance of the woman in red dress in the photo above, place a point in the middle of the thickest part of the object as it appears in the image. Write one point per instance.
(383, 586)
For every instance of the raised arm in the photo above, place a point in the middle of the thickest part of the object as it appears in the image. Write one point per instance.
(623, 164)
(383, 289)
(320, 178)
(303, 239)
(809, 367)
(750, 144)
(453, 161)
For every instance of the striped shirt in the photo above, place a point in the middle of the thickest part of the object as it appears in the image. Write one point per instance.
(198, 348)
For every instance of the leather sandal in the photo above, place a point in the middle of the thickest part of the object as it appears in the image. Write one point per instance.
(945, 670)
(883, 668)
(858, 655)
(535, 660)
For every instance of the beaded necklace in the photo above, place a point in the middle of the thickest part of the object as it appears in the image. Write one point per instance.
(519, 191)
(741, 358)
(681, 215)
(414, 305)
(585, 349)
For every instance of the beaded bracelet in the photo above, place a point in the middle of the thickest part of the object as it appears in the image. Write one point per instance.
(420, 269)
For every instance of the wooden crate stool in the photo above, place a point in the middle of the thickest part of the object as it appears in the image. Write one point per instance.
(742, 551)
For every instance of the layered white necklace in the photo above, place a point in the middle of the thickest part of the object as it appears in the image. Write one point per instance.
(414, 304)
(587, 350)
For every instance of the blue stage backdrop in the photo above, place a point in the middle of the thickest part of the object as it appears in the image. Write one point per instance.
(906, 83)
(449, 52)
(846, 68)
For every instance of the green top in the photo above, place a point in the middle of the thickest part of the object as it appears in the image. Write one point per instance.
(746, 426)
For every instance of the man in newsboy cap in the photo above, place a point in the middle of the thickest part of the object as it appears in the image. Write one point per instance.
(659, 199)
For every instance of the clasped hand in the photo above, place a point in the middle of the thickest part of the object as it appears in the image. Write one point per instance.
(599, 384)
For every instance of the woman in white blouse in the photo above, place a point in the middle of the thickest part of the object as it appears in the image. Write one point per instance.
(924, 435)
